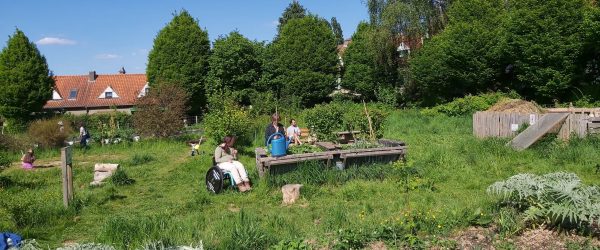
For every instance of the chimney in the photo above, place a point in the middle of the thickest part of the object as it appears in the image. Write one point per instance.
(122, 71)
(92, 76)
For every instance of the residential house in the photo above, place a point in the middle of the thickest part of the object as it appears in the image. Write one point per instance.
(92, 93)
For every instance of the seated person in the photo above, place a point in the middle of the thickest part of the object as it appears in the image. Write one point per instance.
(274, 127)
(28, 159)
(225, 157)
(293, 132)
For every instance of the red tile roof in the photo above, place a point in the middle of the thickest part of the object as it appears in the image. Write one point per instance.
(126, 86)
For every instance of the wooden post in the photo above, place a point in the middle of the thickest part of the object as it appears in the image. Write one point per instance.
(66, 157)
(371, 133)
(196, 119)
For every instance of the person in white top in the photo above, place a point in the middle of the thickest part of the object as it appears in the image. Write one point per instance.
(293, 132)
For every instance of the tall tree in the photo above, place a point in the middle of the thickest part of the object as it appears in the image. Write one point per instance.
(180, 56)
(25, 81)
(303, 60)
(337, 31)
(362, 73)
(294, 10)
(234, 64)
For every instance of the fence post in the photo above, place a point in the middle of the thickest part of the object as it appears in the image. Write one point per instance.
(196, 119)
(66, 157)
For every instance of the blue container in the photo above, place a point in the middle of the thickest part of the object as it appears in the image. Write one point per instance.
(279, 146)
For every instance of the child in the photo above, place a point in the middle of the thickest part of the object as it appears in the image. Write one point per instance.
(28, 159)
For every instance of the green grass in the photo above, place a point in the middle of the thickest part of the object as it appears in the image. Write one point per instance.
(439, 190)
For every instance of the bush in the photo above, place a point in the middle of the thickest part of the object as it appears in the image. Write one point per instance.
(555, 199)
(161, 112)
(4, 161)
(226, 117)
(325, 119)
(15, 143)
(120, 178)
(469, 104)
(48, 133)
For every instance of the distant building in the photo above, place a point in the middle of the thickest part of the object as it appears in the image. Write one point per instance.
(92, 93)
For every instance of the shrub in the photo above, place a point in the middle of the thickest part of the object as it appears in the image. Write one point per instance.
(226, 117)
(161, 112)
(120, 178)
(469, 104)
(325, 119)
(247, 233)
(556, 198)
(4, 161)
(48, 133)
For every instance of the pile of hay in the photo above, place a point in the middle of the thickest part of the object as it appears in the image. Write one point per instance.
(516, 106)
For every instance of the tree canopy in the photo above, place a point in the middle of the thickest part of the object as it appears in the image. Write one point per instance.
(304, 60)
(337, 31)
(25, 81)
(234, 64)
(294, 10)
(180, 56)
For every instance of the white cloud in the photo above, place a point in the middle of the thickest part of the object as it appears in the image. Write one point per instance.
(55, 41)
(107, 56)
(274, 23)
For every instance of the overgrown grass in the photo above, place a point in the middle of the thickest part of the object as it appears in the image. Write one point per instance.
(440, 189)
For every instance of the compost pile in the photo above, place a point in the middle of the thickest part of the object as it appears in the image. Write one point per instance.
(516, 106)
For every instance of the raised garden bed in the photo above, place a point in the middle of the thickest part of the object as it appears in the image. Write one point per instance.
(339, 154)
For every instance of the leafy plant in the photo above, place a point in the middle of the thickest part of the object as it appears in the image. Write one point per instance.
(160, 113)
(469, 104)
(556, 198)
(226, 117)
(120, 178)
(4, 161)
(290, 245)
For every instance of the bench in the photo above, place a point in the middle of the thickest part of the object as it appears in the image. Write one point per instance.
(347, 136)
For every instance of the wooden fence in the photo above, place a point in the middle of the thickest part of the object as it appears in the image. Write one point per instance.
(498, 124)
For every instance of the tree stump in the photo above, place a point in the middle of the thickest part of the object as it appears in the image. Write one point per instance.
(291, 192)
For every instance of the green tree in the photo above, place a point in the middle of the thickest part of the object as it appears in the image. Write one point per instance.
(234, 64)
(25, 81)
(464, 59)
(180, 56)
(294, 10)
(543, 40)
(337, 31)
(361, 72)
(590, 56)
(304, 60)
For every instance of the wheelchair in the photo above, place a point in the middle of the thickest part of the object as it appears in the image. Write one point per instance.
(216, 179)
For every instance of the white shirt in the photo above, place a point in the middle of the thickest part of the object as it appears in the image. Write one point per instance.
(291, 131)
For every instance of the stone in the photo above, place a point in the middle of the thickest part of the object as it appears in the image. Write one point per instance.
(106, 167)
(291, 192)
(102, 171)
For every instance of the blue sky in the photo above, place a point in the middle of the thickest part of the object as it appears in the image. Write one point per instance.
(79, 36)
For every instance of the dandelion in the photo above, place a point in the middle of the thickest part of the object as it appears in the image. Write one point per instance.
(439, 226)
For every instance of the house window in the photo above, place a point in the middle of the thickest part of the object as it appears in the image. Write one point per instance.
(73, 94)
(108, 94)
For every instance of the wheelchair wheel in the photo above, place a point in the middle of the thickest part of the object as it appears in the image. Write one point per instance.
(214, 180)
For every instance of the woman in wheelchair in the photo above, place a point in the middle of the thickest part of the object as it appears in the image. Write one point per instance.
(226, 159)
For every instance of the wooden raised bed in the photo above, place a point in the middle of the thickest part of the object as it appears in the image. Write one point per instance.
(391, 151)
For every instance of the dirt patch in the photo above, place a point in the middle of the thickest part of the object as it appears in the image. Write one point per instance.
(474, 238)
(516, 106)
(377, 245)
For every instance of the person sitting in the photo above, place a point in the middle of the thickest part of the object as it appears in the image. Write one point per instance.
(274, 127)
(293, 132)
(28, 159)
(226, 159)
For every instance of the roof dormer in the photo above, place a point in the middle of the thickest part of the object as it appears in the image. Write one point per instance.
(56, 96)
(144, 91)
(108, 93)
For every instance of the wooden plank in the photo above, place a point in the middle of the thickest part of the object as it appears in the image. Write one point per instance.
(474, 124)
(535, 132)
(326, 145)
(274, 162)
(260, 152)
(572, 110)
(380, 153)
(593, 125)
(594, 119)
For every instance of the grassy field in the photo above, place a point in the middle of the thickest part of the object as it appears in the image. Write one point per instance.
(440, 190)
